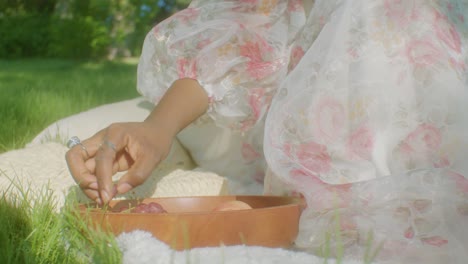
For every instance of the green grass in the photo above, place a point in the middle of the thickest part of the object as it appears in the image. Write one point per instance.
(31, 231)
(36, 92)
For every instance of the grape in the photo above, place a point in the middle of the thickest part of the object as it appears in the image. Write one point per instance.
(155, 208)
(141, 209)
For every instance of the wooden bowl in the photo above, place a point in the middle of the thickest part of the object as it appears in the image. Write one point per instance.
(191, 222)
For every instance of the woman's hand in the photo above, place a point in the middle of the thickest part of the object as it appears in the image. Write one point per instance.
(136, 147)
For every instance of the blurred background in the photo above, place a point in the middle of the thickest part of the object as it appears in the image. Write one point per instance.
(81, 29)
(61, 57)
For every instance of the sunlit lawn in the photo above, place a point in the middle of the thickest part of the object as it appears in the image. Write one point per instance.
(34, 93)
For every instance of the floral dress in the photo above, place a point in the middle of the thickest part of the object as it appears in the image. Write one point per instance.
(239, 52)
(359, 107)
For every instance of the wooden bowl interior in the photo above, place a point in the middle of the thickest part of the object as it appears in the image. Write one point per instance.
(191, 221)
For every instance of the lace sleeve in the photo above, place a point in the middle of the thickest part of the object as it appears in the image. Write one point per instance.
(237, 50)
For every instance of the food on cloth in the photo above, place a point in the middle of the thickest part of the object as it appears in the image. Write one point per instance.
(232, 205)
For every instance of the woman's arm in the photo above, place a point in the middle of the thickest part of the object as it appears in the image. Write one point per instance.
(182, 104)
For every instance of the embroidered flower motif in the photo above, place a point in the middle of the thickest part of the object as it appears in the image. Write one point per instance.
(320, 195)
(251, 50)
(460, 181)
(434, 241)
(203, 43)
(457, 64)
(257, 67)
(409, 233)
(256, 101)
(266, 6)
(425, 138)
(186, 68)
(329, 119)
(442, 162)
(446, 32)
(260, 69)
(361, 142)
(187, 15)
(294, 5)
(249, 153)
(313, 157)
(296, 55)
(259, 102)
(423, 53)
(422, 205)
(400, 11)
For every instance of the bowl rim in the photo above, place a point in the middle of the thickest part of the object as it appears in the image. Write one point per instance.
(293, 202)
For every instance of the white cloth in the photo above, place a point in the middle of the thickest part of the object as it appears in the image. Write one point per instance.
(87, 123)
(140, 247)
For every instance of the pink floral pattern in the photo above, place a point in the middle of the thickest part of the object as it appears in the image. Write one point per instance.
(423, 53)
(257, 67)
(401, 11)
(446, 32)
(187, 16)
(361, 110)
(257, 101)
(326, 196)
(186, 68)
(460, 181)
(296, 55)
(425, 138)
(252, 51)
(313, 157)
(361, 142)
(434, 241)
(249, 153)
(329, 119)
(295, 6)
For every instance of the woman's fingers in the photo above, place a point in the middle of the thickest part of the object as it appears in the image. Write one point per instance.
(76, 159)
(123, 162)
(93, 195)
(111, 147)
(138, 173)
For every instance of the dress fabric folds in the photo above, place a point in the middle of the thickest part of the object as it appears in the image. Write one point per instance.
(358, 106)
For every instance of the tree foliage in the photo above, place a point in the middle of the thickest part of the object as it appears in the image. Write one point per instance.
(79, 28)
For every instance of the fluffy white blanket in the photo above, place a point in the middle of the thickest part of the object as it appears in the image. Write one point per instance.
(139, 247)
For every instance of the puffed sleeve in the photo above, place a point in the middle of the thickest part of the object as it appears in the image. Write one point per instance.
(237, 51)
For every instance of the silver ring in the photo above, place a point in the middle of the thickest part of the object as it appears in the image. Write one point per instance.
(109, 144)
(73, 141)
